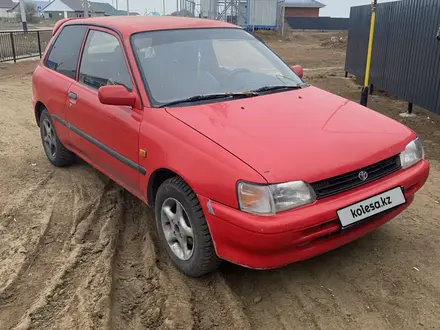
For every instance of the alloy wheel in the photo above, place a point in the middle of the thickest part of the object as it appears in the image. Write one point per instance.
(49, 138)
(177, 228)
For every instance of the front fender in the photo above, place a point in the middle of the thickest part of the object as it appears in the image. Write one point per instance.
(209, 169)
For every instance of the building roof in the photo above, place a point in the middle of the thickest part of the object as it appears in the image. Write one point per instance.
(104, 7)
(42, 4)
(8, 4)
(128, 25)
(57, 5)
(77, 5)
(303, 4)
(108, 9)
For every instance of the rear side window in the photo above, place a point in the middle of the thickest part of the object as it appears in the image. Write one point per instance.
(103, 62)
(63, 56)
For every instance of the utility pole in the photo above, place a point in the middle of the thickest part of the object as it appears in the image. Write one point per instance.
(177, 7)
(86, 8)
(365, 89)
(128, 7)
(23, 15)
(163, 5)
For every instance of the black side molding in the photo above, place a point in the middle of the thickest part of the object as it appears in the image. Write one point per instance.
(102, 146)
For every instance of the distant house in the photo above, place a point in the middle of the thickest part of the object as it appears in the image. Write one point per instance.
(109, 10)
(302, 8)
(59, 9)
(37, 5)
(5, 6)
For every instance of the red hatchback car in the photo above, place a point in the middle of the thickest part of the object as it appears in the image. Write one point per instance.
(240, 159)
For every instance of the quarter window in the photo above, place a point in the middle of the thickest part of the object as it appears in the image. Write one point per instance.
(103, 62)
(63, 56)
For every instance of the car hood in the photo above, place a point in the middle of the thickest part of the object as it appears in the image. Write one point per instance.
(306, 134)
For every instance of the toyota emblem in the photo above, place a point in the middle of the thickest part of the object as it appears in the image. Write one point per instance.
(363, 175)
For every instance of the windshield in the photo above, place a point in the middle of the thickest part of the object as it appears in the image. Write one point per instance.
(178, 64)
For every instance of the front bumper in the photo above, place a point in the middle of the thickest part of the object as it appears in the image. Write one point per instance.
(270, 242)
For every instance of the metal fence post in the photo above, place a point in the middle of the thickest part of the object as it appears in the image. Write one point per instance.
(13, 47)
(364, 95)
(39, 43)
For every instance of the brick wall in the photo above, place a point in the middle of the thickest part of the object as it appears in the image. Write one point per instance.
(302, 12)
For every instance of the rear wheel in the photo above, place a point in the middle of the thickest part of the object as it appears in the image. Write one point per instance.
(57, 154)
(183, 229)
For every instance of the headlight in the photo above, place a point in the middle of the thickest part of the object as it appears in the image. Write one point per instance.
(270, 199)
(412, 154)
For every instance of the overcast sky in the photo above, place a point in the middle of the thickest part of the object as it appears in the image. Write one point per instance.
(334, 8)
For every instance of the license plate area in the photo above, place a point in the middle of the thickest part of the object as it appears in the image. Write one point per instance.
(371, 206)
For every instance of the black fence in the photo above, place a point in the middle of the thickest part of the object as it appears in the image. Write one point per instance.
(15, 45)
(318, 23)
(406, 51)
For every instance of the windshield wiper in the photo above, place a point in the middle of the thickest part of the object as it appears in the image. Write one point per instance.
(204, 97)
(277, 88)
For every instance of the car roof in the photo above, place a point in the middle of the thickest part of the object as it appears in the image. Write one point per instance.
(128, 25)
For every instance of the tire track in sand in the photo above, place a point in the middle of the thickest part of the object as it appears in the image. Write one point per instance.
(77, 295)
(45, 212)
(24, 286)
(136, 295)
(148, 292)
(214, 305)
(96, 265)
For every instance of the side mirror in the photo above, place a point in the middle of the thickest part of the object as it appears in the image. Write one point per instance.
(298, 69)
(116, 95)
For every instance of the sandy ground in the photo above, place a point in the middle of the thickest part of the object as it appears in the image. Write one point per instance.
(79, 252)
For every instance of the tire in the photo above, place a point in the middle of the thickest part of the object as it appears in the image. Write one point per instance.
(203, 258)
(57, 154)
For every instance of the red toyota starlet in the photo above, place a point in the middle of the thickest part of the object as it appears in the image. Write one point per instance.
(239, 157)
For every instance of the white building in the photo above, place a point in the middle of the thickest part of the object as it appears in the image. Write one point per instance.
(259, 14)
(251, 14)
(6, 5)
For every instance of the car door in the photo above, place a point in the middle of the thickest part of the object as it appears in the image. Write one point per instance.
(107, 135)
(60, 64)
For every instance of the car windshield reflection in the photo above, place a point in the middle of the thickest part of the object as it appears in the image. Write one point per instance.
(180, 64)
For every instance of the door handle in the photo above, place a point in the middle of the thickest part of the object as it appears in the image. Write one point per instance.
(72, 96)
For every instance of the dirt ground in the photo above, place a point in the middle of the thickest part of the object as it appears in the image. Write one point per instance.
(79, 252)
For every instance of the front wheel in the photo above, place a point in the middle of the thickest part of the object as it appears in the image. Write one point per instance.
(183, 229)
(55, 151)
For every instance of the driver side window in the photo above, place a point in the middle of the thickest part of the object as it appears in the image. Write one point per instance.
(103, 62)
